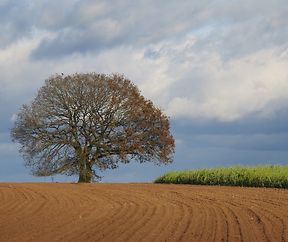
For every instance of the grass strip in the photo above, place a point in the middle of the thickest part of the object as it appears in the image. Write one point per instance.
(256, 176)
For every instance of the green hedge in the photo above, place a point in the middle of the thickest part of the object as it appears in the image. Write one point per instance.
(257, 176)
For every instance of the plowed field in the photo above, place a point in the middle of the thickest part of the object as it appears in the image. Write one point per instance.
(141, 212)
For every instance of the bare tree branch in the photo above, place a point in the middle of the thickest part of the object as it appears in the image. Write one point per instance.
(84, 122)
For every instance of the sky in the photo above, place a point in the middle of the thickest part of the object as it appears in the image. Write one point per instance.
(217, 68)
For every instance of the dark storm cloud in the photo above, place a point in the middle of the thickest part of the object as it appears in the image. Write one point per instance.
(251, 125)
(246, 142)
(252, 139)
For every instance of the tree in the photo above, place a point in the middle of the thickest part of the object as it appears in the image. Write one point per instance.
(83, 122)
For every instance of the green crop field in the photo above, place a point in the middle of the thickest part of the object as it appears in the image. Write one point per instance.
(256, 176)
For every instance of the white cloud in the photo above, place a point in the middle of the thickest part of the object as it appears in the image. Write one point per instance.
(254, 84)
(184, 81)
(198, 67)
(20, 50)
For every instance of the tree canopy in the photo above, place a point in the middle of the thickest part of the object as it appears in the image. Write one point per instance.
(81, 123)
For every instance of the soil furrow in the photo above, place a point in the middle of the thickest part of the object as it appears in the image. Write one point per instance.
(141, 212)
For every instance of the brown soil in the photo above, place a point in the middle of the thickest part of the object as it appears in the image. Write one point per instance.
(141, 212)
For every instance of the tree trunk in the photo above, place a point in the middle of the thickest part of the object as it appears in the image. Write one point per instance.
(85, 173)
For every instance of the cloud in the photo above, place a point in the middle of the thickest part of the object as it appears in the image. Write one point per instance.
(264, 142)
(85, 26)
(203, 60)
(182, 80)
(254, 84)
(217, 68)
